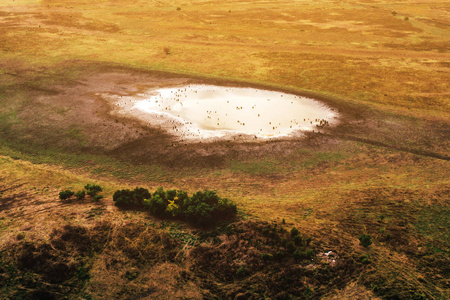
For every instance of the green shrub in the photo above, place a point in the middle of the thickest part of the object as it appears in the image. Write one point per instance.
(127, 198)
(308, 241)
(92, 189)
(156, 205)
(199, 214)
(160, 192)
(171, 194)
(301, 255)
(365, 240)
(364, 259)
(208, 197)
(97, 198)
(140, 194)
(206, 208)
(309, 253)
(297, 254)
(182, 196)
(80, 195)
(65, 194)
(294, 232)
(131, 275)
(123, 198)
(290, 247)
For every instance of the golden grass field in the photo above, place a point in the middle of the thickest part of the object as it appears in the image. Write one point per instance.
(385, 169)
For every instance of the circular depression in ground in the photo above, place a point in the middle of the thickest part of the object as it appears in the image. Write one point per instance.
(206, 111)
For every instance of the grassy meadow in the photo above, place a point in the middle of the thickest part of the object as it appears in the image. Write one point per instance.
(383, 171)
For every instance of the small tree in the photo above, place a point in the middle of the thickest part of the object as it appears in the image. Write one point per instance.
(65, 194)
(93, 189)
(80, 195)
(294, 232)
(123, 198)
(365, 240)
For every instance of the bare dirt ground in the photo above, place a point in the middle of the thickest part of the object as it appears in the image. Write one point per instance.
(87, 120)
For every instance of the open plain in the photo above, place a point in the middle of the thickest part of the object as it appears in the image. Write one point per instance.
(383, 171)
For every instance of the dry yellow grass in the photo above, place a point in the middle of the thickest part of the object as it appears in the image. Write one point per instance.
(391, 57)
(365, 52)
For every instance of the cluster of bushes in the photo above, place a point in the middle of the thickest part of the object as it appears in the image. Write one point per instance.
(131, 199)
(290, 243)
(92, 190)
(202, 209)
(365, 240)
(297, 245)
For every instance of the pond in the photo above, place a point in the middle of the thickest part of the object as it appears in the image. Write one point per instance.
(202, 111)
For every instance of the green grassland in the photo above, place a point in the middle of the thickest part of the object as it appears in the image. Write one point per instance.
(383, 171)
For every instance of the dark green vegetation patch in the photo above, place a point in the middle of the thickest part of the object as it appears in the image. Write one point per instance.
(202, 209)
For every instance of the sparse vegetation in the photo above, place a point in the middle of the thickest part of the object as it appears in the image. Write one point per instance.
(294, 232)
(298, 240)
(91, 190)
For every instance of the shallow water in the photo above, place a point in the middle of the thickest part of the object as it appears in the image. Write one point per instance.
(207, 110)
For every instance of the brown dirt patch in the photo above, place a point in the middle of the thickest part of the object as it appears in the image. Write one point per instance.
(72, 114)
